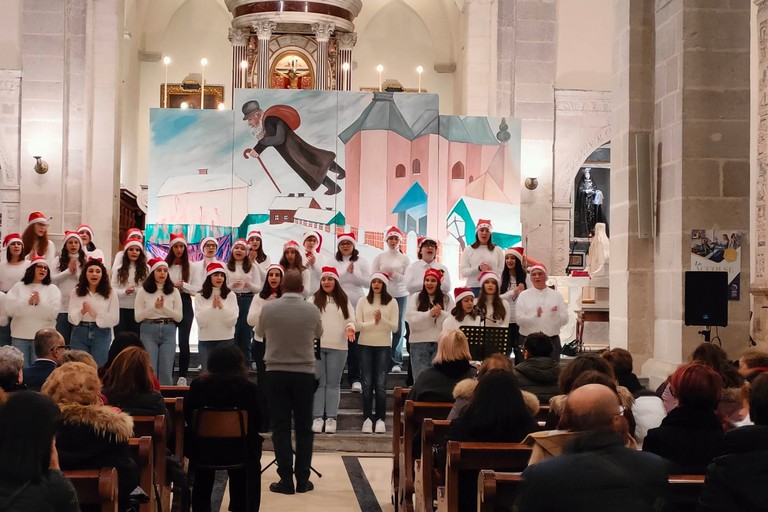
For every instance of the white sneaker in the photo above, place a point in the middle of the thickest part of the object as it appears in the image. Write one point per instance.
(368, 426)
(397, 369)
(381, 428)
(357, 387)
(330, 426)
(317, 425)
(181, 382)
(254, 367)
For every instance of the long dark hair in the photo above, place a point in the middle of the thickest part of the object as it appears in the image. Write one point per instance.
(170, 259)
(64, 257)
(506, 277)
(141, 268)
(150, 285)
(338, 295)
(499, 309)
(425, 304)
(298, 261)
(130, 374)
(226, 360)
(122, 341)
(260, 254)
(459, 314)
(104, 288)
(31, 241)
(352, 257)
(490, 243)
(267, 290)
(385, 296)
(9, 257)
(246, 263)
(28, 422)
(715, 357)
(29, 274)
(207, 289)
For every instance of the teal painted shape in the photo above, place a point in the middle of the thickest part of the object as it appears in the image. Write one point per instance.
(413, 197)
(250, 219)
(500, 239)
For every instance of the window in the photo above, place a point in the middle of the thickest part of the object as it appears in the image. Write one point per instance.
(277, 217)
(285, 217)
(457, 171)
(400, 171)
(416, 167)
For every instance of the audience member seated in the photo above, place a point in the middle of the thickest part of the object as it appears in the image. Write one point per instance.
(30, 477)
(691, 435)
(122, 341)
(11, 369)
(752, 363)
(736, 480)
(597, 473)
(621, 361)
(648, 411)
(225, 384)
(538, 372)
(49, 347)
(128, 384)
(79, 356)
(91, 435)
(450, 365)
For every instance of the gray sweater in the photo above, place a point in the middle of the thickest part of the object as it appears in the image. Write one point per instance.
(288, 326)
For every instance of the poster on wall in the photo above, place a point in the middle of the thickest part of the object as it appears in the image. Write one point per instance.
(718, 251)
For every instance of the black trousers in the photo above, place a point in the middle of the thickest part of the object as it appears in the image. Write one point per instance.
(127, 322)
(239, 481)
(184, 328)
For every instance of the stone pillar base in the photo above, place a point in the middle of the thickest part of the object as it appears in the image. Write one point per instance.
(759, 291)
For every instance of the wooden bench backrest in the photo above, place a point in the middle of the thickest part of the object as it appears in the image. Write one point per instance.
(497, 488)
(95, 487)
(155, 427)
(400, 395)
(175, 408)
(684, 490)
(433, 433)
(142, 452)
(174, 391)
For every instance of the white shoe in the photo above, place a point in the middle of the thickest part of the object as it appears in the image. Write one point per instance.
(357, 387)
(181, 382)
(368, 426)
(254, 366)
(330, 426)
(317, 425)
(381, 428)
(397, 369)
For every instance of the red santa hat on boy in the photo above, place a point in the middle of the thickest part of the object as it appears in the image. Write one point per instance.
(346, 237)
(539, 266)
(177, 238)
(213, 268)
(315, 234)
(486, 276)
(10, 238)
(434, 273)
(132, 243)
(382, 276)
(36, 218)
(460, 293)
(329, 272)
(240, 241)
(483, 223)
(72, 234)
(391, 231)
(156, 263)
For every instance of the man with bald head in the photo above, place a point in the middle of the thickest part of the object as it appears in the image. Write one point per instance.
(596, 472)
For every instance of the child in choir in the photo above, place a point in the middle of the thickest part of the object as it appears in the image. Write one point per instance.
(494, 310)
(131, 234)
(158, 308)
(216, 312)
(35, 239)
(427, 310)
(292, 259)
(464, 312)
(245, 280)
(256, 253)
(93, 311)
(127, 276)
(180, 273)
(427, 254)
(91, 251)
(12, 268)
(313, 259)
(483, 255)
(66, 276)
(337, 315)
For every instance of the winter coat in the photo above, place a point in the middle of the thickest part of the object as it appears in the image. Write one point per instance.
(53, 493)
(539, 376)
(463, 391)
(436, 383)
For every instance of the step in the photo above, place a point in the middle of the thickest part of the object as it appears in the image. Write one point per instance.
(352, 420)
(350, 400)
(341, 441)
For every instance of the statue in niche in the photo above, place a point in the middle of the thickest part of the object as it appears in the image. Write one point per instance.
(597, 258)
(588, 207)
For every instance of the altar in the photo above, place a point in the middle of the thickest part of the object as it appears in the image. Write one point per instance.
(588, 310)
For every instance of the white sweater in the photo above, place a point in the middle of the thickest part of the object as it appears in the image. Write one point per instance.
(126, 300)
(107, 310)
(314, 272)
(550, 322)
(335, 325)
(394, 263)
(424, 327)
(263, 266)
(354, 284)
(489, 311)
(10, 274)
(472, 258)
(414, 276)
(50, 255)
(451, 323)
(197, 271)
(254, 312)
(371, 333)
(28, 319)
(175, 274)
(65, 281)
(216, 324)
(96, 253)
(145, 305)
(252, 279)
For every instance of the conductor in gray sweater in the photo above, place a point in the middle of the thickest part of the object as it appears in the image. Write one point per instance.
(289, 326)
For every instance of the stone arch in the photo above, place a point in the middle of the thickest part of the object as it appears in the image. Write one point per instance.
(565, 184)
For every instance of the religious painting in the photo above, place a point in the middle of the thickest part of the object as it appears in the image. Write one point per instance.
(187, 96)
(718, 251)
(292, 70)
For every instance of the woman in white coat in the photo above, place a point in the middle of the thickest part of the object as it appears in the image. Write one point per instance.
(482, 256)
(216, 312)
(66, 276)
(127, 276)
(12, 268)
(427, 310)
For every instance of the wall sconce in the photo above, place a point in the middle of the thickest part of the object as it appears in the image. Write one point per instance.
(531, 183)
(41, 167)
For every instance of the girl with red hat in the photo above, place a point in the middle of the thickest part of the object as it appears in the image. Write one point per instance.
(482, 256)
(464, 312)
(216, 312)
(91, 251)
(209, 246)
(293, 259)
(65, 276)
(270, 291)
(337, 316)
(427, 258)
(158, 308)
(180, 274)
(313, 259)
(493, 309)
(131, 234)
(127, 275)
(256, 253)
(514, 279)
(427, 310)
(12, 268)
(35, 239)
(245, 280)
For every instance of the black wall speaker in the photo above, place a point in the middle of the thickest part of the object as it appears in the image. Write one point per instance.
(706, 298)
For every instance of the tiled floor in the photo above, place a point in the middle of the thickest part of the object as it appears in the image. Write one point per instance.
(334, 491)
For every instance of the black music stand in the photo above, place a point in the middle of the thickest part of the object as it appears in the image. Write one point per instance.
(484, 341)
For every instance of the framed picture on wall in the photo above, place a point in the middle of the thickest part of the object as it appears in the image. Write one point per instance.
(189, 94)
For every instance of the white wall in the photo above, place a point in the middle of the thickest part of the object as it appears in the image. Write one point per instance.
(584, 44)
(10, 34)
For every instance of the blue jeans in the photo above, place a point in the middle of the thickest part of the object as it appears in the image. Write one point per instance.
(5, 335)
(397, 336)
(160, 342)
(374, 366)
(91, 338)
(422, 354)
(204, 348)
(243, 331)
(64, 327)
(27, 348)
(328, 371)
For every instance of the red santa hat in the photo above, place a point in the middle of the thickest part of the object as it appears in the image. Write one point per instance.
(434, 273)
(539, 266)
(315, 234)
(10, 238)
(156, 263)
(85, 227)
(208, 239)
(382, 276)
(177, 238)
(72, 234)
(330, 272)
(391, 231)
(276, 266)
(240, 241)
(517, 252)
(483, 223)
(424, 239)
(134, 233)
(291, 244)
(36, 218)
(213, 268)
(346, 237)
(133, 243)
(37, 260)
(460, 293)
(254, 233)
(486, 276)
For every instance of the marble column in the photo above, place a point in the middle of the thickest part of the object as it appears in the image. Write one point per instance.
(263, 31)
(239, 39)
(346, 42)
(323, 33)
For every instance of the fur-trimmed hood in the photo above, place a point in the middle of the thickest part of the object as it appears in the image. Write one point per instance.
(464, 390)
(557, 403)
(104, 420)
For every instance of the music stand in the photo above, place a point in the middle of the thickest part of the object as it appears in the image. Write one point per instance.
(484, 341)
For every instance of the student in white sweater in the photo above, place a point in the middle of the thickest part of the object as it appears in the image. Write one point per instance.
(256, 252)
(313, 258)
(65, 275)
(293, 259)
(376, 318)
(93, 311)
(35, 238)
(32, 304)
(514, 280)
(427, 254)
(270, 291)
(464, 311)
(244, 280)
(180, 273)
(337, 316)
(158, 307)
(209, 247)
(216, 312)
(131, 234)
(427, 310)
(481, 256)
(127, 276)
(91, 251)
(394, 263)
(12, 268)
(494, 310)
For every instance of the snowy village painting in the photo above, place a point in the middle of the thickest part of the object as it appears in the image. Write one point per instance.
(287, 161)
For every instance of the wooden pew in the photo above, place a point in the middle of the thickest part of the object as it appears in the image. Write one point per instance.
(175, 407)
(684, 491)
(414, 414)
(495, 488)
(142, 452)
(400, 395)
(474, 457)
(155, 427)
(426, 479)
(95, 488)
(174, 391)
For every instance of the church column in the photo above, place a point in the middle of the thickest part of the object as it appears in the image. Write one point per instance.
(322, 36)
(239, 39)
(263, 31)
(759, 287)
(346, 41)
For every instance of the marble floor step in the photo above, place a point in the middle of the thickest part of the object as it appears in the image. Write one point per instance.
(341, 441)
(350, 400)
(352, 420)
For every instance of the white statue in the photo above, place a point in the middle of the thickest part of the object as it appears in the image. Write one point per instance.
(599, 249)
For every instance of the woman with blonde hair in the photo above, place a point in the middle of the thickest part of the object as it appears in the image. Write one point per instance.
(449, 367)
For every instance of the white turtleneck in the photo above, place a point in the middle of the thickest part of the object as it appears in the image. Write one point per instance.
(394, 263)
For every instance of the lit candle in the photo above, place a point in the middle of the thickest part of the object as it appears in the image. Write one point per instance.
(203, 63)
(166, 61)
(243, 68)
(380, 69)
(419, 70)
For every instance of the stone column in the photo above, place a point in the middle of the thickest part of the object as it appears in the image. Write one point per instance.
(239, 39)
(323, 33)
(346, 41)
(478, 80)
(263, 31)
